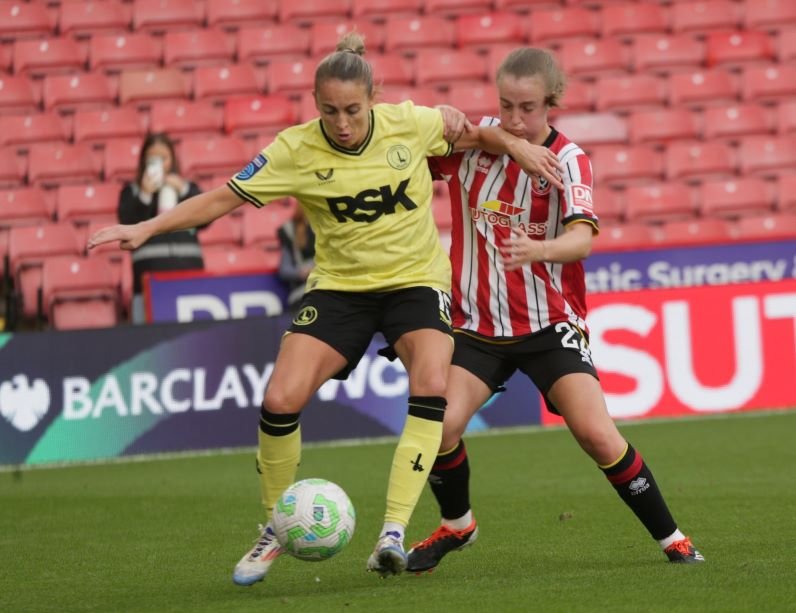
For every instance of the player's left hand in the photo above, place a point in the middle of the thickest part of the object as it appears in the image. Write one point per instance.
(455, 122)
(538, 161)
(519, 249)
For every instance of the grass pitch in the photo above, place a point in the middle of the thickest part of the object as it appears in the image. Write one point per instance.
(163, 535)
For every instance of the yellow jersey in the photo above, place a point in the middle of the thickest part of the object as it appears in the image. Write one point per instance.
(370, 208)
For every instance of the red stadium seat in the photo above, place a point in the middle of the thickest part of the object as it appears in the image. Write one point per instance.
(625, 166)
(28, 247)
(259, 115)
(203, 157)
(197, 48)
(291, 76)
(611, 206)
(48, 56)
(786, 193)
(578, 97)
(663, 125)
(664, 54)
(736, 197)
(18, 94)
(786, 118)
(623, 237)
(700, 17)
(21, 130)
(769, 83)
(734, 49)
(186, 118)
(428, 96)
(142, 87)
(214, 83)
(232, 14)
(226, 261)
(324, 36)
(555, 26)
(130, 51)
(379, 10)
(120, 159)
(595, 58)
(120, 261)
(735, 121)
(87, 19)
(266, 44)
(24, 206)
(630, 93)
(12, 168)
(483, 31)
(441, 210)
(770, 15)
(226, 231)
(19, 20)
(50, 165)
(260, 225)
(475, 101)
(702, 88)
(787, 49)
(700, 161)
(79, 292)
(629, 19)
(525, 6)
(392, 69)
(85, 91)
(93, 126)
(659, 202)
(309, 11)
(452, 8)
(436, 67)
(589, 129)
(770, 227)
(408, 34)
(768, 155)
(83, 204)
(158, 16)
(693, 232)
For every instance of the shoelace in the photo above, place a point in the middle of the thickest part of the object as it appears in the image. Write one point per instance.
(682, 546)
(265, 539)
(438, 534)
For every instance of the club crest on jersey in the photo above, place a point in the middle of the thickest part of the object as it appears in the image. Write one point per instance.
(306, 316)
(540, 185)
(500, 207)
(252, 168)
(399, 156)
(483, 164)
(323, 177)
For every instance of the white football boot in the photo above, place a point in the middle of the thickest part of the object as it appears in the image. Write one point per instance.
(255, 564)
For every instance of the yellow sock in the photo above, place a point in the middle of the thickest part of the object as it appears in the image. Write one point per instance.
(277, 462)
(417, 449)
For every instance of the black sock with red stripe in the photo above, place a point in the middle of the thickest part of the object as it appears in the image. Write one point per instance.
(450, 482)
(633, 481)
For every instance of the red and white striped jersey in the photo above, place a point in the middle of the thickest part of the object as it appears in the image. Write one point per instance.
(489, 194)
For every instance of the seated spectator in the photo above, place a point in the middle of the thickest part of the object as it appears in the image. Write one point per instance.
(158, 186)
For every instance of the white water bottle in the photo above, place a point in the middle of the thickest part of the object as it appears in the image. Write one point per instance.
(167, 198)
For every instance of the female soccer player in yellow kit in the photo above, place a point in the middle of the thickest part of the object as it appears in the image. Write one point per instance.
(360, 173)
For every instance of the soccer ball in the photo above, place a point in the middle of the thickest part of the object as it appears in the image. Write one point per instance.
(314, 519)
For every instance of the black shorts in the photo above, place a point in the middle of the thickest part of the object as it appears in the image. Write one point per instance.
(347, 321)
(544, 356)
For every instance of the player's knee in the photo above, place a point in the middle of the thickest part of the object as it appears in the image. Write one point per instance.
(602, 447)
(279, 400)
(428, 383)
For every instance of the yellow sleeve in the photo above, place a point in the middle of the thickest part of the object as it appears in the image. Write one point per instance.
(269, 176)
(430, 129)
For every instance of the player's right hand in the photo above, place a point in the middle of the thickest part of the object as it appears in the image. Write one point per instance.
(129, 236)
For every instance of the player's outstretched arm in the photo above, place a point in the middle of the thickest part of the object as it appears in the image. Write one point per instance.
(533, 159)
(197, 211)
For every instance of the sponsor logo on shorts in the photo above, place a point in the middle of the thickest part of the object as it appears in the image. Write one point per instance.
(306, 316)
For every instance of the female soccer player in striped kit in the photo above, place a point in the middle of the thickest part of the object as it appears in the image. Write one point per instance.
(519, 303)
(360, 174)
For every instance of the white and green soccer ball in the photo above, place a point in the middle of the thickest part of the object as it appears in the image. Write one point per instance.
(314, 519)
